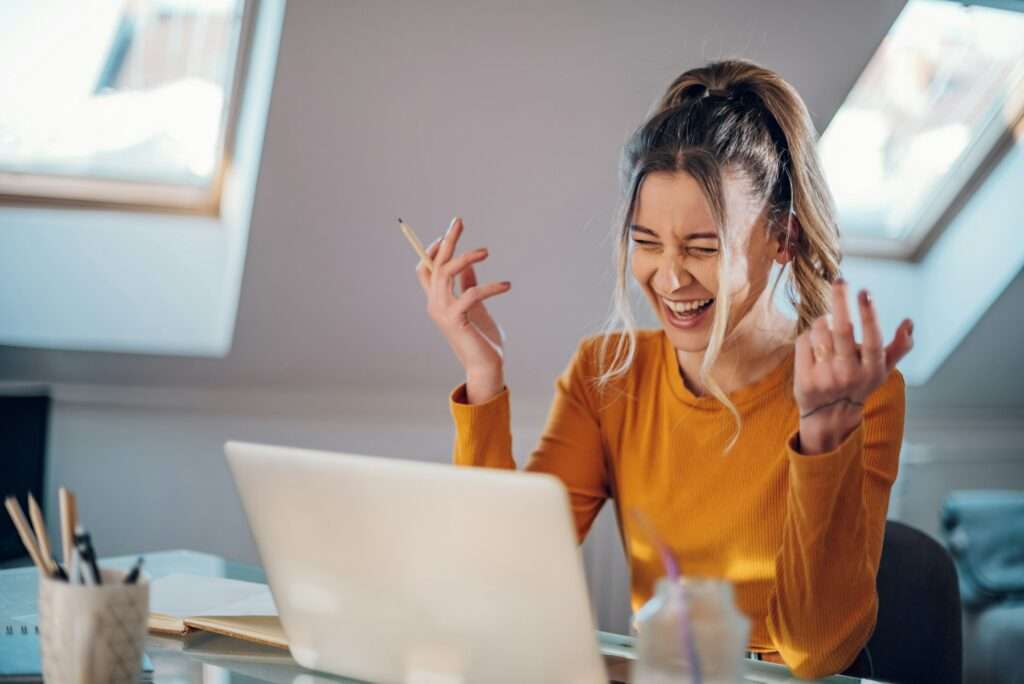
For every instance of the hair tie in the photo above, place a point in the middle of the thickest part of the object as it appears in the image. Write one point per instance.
(694, 91)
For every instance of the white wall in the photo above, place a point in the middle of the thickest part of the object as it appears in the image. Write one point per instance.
(943, 454)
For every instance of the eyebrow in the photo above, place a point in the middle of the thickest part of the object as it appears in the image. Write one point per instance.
(691, 236)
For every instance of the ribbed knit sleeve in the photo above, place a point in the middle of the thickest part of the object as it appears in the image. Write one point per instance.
(483, 433)
(824, 604)
(570, 445)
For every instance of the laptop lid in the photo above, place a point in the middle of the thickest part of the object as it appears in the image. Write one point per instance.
(402, 571)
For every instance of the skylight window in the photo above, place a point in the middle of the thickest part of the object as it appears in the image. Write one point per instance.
(117, 101)
(938, 99)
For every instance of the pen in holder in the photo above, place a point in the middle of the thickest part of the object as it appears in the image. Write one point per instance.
(92, 633)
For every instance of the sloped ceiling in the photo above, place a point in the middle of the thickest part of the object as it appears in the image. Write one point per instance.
(511, 115)
(985, 372)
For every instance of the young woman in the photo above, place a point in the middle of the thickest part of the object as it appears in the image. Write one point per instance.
(761, 448)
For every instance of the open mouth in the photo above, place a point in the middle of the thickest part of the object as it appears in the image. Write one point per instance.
(686, 314)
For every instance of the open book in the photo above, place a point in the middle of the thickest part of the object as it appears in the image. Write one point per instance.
(179, 604)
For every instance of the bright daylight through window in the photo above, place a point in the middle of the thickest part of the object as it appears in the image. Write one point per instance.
(941, 92)
(117, 101)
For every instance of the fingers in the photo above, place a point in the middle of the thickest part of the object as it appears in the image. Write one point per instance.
(451, 238)
(871, 351)
(446, 273)
(461, 262)
(821, 341)
(842, 328)
(477, 294)
(804, 356)
(468, 278)
(423, 271)
(432, 249)
(828, 365)
(902, 342)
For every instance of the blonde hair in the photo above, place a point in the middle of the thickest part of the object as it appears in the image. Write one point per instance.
(731, 114)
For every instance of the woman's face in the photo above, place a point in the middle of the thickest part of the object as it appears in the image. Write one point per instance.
(676, 252)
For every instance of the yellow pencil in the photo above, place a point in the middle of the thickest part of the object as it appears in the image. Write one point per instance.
(416, 244)
(25, 532)
(42, 539)
(68, 520)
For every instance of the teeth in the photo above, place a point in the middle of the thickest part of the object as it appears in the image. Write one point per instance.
(684, 307)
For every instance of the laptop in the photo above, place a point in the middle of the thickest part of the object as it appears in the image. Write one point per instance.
(391, 570)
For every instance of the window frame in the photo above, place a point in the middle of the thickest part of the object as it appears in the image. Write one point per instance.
(1004, 127)
(84, 192)
(998, 135)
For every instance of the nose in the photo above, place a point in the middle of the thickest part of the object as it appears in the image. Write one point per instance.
(672, 273)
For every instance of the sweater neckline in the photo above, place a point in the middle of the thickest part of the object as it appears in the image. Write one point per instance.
(742, 395)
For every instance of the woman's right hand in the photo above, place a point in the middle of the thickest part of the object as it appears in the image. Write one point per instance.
(464, 321)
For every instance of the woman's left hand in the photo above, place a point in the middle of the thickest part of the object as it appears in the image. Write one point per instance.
(834, 374)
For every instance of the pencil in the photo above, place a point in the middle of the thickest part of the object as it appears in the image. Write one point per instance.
(41, 536)
(68, 520)
(416, 244)
(18, 517)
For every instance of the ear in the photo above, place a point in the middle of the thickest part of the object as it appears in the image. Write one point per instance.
(786, 237)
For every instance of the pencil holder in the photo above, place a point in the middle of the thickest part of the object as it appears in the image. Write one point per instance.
(92, 633)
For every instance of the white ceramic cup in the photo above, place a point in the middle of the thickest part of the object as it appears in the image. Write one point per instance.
(92, 633)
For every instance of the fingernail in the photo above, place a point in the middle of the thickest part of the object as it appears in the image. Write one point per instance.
(865, 297)
(910, 327)
(840, 281)
(506, 283)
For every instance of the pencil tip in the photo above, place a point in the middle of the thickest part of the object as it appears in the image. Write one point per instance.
(399, 219)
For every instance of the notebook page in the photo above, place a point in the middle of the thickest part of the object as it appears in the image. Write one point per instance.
(183, 596)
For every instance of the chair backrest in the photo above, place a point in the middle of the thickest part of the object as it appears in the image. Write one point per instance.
(917, 637)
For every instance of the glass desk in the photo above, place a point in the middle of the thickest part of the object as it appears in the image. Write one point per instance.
(211, 659)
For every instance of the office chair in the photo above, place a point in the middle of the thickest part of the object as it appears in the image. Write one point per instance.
(917, 637)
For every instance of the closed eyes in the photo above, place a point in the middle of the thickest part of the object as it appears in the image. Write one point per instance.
(701, 251)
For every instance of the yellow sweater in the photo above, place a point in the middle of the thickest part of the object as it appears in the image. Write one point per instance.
(798, 536)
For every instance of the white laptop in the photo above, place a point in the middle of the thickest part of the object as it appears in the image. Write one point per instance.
(401, 571)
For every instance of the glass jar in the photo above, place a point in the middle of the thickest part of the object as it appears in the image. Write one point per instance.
(694, 616)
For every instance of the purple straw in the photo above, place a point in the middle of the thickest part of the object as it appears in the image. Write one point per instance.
(671, 565)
